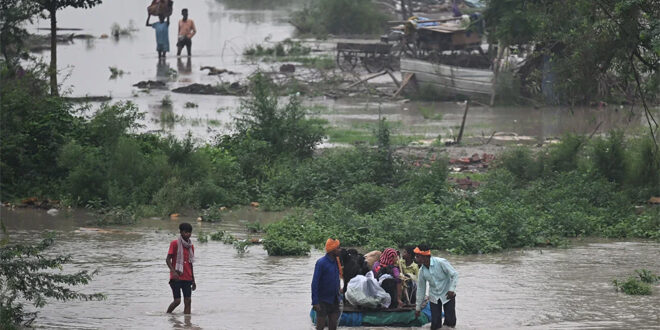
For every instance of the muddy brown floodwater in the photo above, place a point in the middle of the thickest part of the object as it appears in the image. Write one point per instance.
(535, 289)
(540, 289)
(226, 28)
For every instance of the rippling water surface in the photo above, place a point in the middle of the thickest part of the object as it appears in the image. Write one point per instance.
(539, 289)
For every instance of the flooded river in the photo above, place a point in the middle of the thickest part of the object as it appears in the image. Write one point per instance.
(557, 288)
(226, 28)
(538, 289)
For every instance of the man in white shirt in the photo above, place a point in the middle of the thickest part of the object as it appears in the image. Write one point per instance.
(442, 279)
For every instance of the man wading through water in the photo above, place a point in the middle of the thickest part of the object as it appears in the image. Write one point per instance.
(187, 30)
(442, 279)
(325, 286)
(180, 260)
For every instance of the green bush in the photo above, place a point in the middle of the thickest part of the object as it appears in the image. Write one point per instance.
(212, 214)
(324, 17)
(365, 197)
(608, 157)
(284, 129)
(633, 286)
(35, 126)
(175, 196)
(114, 216)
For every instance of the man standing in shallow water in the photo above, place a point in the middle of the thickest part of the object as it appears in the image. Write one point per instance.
(325, 286)
(180, 258)
(442, 279)
(187, 30)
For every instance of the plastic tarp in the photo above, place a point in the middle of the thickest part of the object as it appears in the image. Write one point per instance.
(366, 292)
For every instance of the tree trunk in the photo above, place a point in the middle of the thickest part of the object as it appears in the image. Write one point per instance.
(404, 11)
(53, 52)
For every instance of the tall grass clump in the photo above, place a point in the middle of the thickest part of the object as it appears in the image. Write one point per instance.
(323, 17)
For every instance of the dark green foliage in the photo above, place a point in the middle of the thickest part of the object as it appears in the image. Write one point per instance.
(212, 214)
(529, 200)
(597, 49)
(609, 157)
(520, 162)
(289, 237)
(34, 126)
(647, 276)
(27, 275)
(640, 285)
(633, 286)
(324, 17)
(15, 13)
(287, 47)
(114, 216)
(284, 129)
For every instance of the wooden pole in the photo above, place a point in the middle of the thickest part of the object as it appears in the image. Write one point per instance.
(393, 78)
(367, 78)
(460, 133)
(406, 80)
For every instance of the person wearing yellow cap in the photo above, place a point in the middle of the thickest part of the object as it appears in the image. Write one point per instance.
(325, 286)
(442, 279)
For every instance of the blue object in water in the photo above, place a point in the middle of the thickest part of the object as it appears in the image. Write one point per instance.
(353, 319)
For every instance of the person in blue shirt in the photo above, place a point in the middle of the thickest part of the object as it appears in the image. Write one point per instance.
(162, 34)
(442, 279)
(325, 286)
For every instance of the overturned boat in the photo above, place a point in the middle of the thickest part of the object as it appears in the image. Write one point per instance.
(450, 80)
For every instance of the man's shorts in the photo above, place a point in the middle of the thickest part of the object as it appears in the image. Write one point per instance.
(327, 309)
(178, 286)
(184, 41)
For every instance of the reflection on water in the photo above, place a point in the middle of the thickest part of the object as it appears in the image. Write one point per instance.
(537, 289)
(184, 69)
(162, 69)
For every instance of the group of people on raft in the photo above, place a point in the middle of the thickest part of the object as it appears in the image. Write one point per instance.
(412, 273)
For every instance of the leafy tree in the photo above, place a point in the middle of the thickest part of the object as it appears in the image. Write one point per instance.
(12, 33)
(26, 274)
(33, 127)
(52, 6)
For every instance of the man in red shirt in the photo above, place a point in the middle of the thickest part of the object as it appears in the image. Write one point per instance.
(180, 260)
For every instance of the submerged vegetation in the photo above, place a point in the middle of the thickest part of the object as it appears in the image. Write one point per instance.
(366, 195)
(642, 284)
(323, 17)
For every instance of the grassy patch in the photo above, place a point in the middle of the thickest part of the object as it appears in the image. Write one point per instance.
(430, 113)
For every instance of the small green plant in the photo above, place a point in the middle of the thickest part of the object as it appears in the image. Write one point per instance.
(254, 227)
(202, 237)
(241, 246)
(115, 72)
(190, 105)
(166, 101)
(633, 286)
(114, 216)
(430, 113)
(647, 276)
(212, 214)
(217, 236)
(640, 285)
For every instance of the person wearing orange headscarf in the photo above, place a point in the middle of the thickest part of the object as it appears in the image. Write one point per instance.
(442, 279)
(325, 286)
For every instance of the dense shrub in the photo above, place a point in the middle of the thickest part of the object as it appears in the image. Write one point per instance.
(324, 17)
(34, 126)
